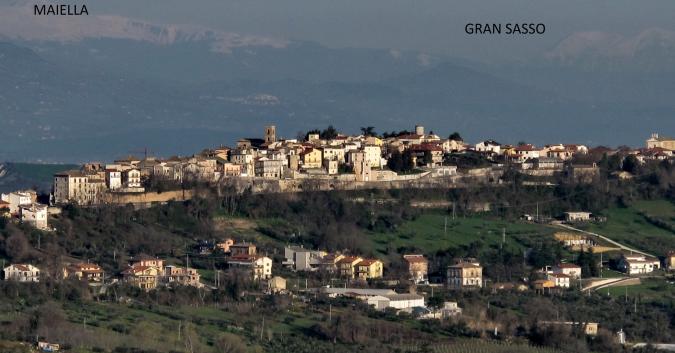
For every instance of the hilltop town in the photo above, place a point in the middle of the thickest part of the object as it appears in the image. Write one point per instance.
(326, 160)
(335, 224)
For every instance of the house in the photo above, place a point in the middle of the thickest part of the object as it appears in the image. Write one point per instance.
(548, 163)
(571, 270)
(525, 152)
(48, 347)
(113, 179)
(269, 168)
(488, 146)
(329, 263)
(670, 260)
(22, 273)
(84, 271)
(637, 264)
(224, 245)
(184, 276)
(577, 216)
(465, 274)
(35, 214)
(131, 178)
(450, 309)
(276, 285)
(301, 259)
(418, 268)
(368, 269)
(14, 200)
(542, 285)
(405, 301)
(142, 276)
(346, 266)
(242, 249)
(311, 158)
(260, 267)
(559, 280)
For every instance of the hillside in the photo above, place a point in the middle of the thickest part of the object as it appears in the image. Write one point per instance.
(18, 176)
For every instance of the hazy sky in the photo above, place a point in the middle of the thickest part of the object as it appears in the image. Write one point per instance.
(428, 25)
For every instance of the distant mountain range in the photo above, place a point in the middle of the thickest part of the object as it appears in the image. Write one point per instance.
(72, 93)
(652, 50)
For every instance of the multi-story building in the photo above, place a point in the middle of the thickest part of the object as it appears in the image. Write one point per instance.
(418, 268)
(368, 269)
(144, 274)
(17, 199)
(35, 214)
(79, 187)
(22, 273)
(242, 249)
(311, 158)
(269, 168)
(346, 266)
(301, 259)
(84, 271)
(656, 141)
(571, 270)
(260, 267)
(373, 155)
(465, 274)
(181, 276)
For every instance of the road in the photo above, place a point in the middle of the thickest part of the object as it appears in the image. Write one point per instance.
(619, 245)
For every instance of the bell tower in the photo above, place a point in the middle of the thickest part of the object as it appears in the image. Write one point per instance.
(270, 134)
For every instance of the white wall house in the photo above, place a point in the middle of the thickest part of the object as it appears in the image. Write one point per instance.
(638, 264)
(35, 214)
(22, 273)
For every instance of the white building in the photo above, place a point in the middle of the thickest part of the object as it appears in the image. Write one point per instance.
(577, 216)
(488, 146)
(559, 280)
(259, 266)
(373, 155)
(570, 270)
(113, 179)
(22, 273)
(35, 214)
(301, 259)
(131, 178)
(638, 264)
(17, 199)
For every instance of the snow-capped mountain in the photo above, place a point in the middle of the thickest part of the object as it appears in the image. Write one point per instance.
(17, 22)
(652, 49)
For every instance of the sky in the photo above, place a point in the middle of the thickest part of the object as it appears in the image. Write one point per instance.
(434, 26)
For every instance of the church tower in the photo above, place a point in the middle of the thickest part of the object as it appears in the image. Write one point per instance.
(270, 134)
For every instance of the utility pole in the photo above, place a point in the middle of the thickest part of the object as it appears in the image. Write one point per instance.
(503, 237)
(262, 328)
(453, 211)
(445, 225)
(537, 217)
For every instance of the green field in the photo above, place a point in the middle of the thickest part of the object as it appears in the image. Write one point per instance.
(649, 289)
(635, 226)
(429, 233)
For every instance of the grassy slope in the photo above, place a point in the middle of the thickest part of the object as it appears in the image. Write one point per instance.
(630, 226)
(427, 233)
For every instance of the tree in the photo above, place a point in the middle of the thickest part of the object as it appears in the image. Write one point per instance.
(401, 162)
(229, 343)
(368, 131)
(455, 136)
(329, 133)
